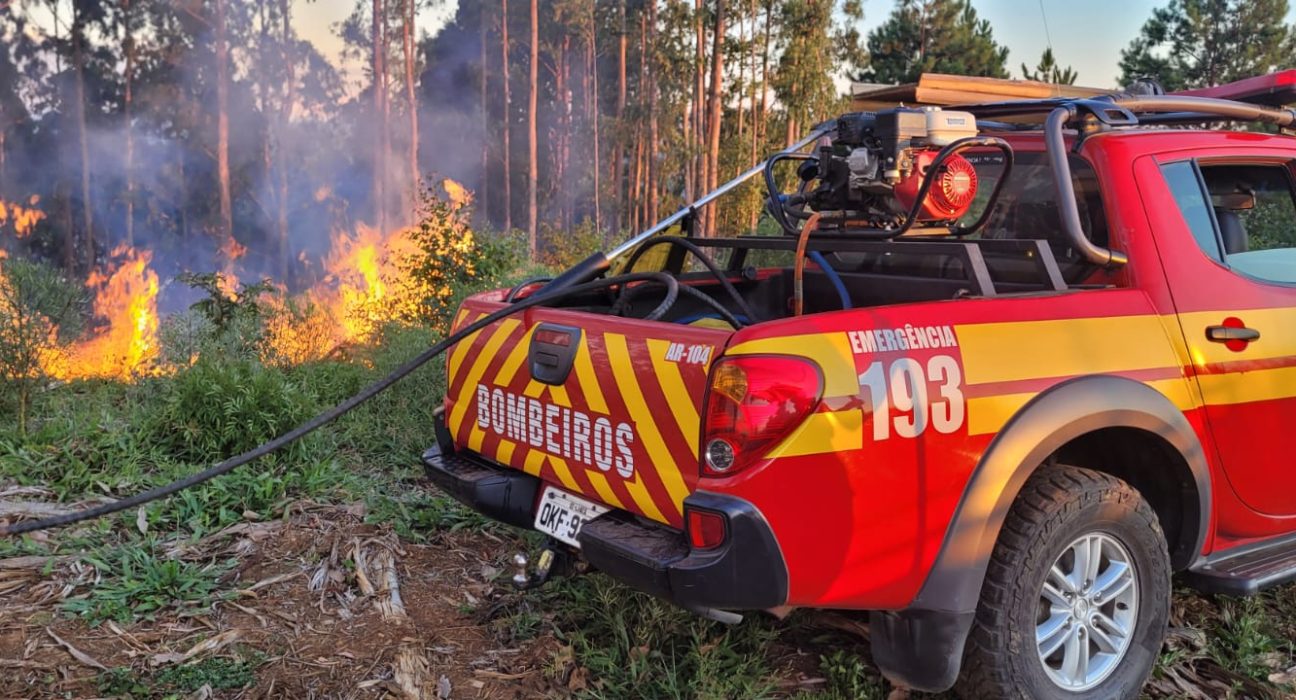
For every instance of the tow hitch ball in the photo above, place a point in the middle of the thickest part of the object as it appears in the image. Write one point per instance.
(524, 579)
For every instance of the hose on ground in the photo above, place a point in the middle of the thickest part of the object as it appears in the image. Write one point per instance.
(538, 299)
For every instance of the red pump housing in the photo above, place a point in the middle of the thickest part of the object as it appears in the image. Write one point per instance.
(951, 194)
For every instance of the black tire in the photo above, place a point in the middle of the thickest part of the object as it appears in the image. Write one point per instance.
(1057, 507)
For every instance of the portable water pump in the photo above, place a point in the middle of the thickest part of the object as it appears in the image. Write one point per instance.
(882, 173)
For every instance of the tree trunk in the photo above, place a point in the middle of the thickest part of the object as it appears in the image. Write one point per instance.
(379, 68)
(764, 82)
(285, 119)
(714, 112)
(743, 61)
(78, 58)
(183, 171)
(595, 112)
(533, 161)
(222, 133)
(506, 122)
(636, 192)
(263, 84)
(758, 108)
(699, 95)
(653, 176)
(483, 188)
(4, 170)
(618, 155)
(562, 157)
(412, 102)
(69, 230)
(128, 48)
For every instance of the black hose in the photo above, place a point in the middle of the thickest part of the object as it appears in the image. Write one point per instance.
(672, 293)
(520, 286)
(701, 255)
(725, 314)
(778, 208)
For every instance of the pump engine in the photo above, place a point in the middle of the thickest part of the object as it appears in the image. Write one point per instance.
(871, 172)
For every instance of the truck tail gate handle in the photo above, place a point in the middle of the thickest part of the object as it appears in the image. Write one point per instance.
(552, 353)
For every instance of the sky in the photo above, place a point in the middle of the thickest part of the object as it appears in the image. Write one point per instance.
(1088, 35)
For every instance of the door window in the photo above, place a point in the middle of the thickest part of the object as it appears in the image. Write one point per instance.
(1243, 215)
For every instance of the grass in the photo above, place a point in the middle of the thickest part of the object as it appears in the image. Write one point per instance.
(217, 673)
(135, 582)
(635, 646)
(88, 440)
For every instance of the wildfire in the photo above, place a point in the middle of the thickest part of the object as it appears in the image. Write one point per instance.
(353, 301)
(125, 300)
(24, 218)
(366, 286)
(459, 195)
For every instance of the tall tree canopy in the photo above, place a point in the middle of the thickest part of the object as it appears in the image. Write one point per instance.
(1049, 71)
(940, 36)
(1199, 43)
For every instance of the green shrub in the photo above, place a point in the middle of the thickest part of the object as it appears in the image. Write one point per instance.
(217, 673)
(218, 408)
(849, 678)
(448, 261)
(37, 306)
(224, 323)
(562, 248)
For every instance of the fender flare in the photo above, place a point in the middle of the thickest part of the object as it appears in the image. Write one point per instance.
(1050, 420)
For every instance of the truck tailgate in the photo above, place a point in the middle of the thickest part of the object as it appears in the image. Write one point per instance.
(621, 426)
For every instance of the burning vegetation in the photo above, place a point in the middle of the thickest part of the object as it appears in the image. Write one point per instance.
(370, 279)
(22, 218)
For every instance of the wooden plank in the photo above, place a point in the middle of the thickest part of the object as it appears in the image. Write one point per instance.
(1029, 89)
(941, 89)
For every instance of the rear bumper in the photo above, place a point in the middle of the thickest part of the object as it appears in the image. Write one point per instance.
(747, 572)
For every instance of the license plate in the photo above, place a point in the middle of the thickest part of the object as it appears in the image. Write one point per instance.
(561, 514)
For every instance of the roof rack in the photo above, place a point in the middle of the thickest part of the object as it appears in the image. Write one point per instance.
(1133, 110)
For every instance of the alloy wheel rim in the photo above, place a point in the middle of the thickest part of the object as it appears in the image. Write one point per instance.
(1087, 612)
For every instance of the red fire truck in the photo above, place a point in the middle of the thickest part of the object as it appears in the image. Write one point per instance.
(999, 372)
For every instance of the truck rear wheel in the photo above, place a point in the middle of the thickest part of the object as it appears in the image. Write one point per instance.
(1077, 594)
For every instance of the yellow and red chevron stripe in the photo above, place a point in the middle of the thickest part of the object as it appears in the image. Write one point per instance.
(616, 374)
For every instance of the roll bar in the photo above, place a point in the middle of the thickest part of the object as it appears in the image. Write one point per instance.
(1123, 110)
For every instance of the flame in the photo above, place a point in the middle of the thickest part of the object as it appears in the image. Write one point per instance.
(232, 250)
(126, 347)
(24, 218)
(356, 298)
(228, 283)
(458, 194)
(365, 288)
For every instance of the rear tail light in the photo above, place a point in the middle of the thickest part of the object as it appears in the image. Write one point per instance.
(753, 403)
(706, 529)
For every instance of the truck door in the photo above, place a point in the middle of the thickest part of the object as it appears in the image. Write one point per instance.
(1231, 265)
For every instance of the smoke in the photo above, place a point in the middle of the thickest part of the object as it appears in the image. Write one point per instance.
(326, 150)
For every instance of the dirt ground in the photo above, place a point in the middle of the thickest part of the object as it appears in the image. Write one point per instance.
(327, 606)
(398, 622)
